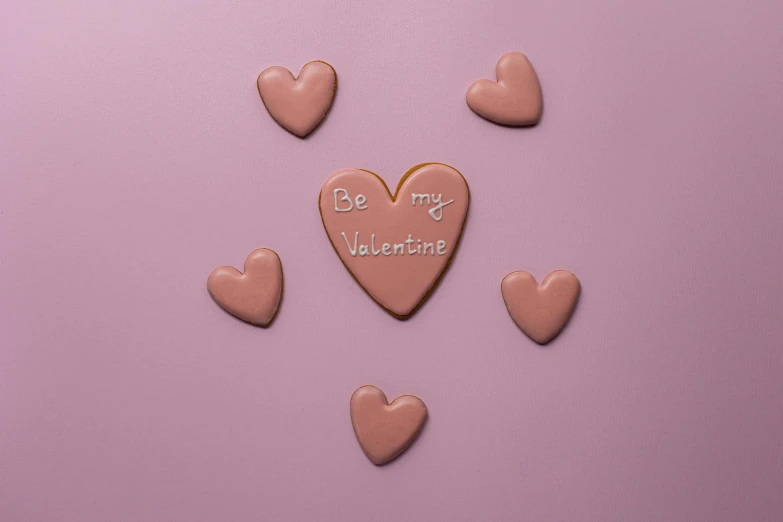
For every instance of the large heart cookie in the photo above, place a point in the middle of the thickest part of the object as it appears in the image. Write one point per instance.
(397, 247)
(385, 430)
(515, 99)
(253, 296)
(298, 104)
(540, 311)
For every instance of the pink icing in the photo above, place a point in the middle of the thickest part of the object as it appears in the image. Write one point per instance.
(253, 296)
(540, 311)
(515, 99)
(300, 104)
(385, 430)
(400, 281)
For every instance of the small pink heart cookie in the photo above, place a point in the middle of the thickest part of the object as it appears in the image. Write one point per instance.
(253, 296)
(515, 99)
(540, 311)
(298, 104)
(398, 246)
(385, 430)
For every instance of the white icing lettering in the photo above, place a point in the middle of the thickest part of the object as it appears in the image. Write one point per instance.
(421, 197)
(361, 200)
(409, 242)
(355, 241)
(433, 212)
(441, 247)
(414, 247)
(437, 200)
(343, 198)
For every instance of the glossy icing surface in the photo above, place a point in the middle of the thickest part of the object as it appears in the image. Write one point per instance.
(385, 430)
(540, 311)
(298, 104)
(253, 296)
(515, 99)
(396, 248)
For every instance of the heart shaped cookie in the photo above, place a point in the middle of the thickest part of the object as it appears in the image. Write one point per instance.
(398, 246)
(540, 311)
(298, 104)
(515, 99)
(385, 430)
(253, 296)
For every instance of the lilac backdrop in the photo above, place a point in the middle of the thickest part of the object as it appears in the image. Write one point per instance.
(136, 156)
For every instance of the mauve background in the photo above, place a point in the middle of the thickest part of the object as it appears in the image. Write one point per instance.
(136, 156)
